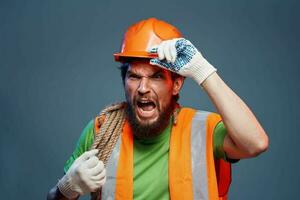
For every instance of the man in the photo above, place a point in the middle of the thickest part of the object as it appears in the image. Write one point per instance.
(164, 151)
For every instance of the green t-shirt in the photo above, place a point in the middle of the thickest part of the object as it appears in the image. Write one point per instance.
(150, 159)
(150, 173)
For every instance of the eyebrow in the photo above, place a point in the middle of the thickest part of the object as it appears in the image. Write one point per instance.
(129, 72)
(159, 72)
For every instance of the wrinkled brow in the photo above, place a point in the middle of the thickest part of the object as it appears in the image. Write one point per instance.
(158, 71)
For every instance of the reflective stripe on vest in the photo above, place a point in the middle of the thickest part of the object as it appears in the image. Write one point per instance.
(198, 151)
(109, 188)
(191, 151)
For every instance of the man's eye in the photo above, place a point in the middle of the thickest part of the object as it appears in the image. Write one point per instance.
(157, 76)
(133, 76)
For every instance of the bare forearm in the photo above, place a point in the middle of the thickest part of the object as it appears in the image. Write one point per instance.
(242, 126)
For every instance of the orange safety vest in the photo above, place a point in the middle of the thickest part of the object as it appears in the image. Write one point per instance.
(193, 171)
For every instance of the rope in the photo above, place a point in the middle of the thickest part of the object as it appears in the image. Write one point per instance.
(110, 130)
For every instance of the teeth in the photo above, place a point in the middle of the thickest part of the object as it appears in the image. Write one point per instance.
(145, 101)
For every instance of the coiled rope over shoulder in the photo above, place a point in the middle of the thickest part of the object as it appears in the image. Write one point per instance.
(110, 122)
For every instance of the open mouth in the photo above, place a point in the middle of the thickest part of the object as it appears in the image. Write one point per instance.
(146, 108)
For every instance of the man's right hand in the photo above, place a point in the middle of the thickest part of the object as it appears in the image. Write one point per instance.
(87, 174)
(179, 55)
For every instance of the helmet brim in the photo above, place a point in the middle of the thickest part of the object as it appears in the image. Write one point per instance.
(123, 56)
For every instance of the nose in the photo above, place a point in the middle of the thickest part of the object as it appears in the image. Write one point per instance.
(144, 86)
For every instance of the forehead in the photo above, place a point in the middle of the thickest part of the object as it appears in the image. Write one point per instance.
(145, 68)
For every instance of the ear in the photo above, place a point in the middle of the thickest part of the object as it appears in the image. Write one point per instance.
(178, 83)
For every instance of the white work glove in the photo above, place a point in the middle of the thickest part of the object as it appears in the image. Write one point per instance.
(87, 174)
(181, 56)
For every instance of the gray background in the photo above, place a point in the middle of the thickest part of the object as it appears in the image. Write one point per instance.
(57, 72)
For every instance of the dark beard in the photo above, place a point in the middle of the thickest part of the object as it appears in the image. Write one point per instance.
(146, 131)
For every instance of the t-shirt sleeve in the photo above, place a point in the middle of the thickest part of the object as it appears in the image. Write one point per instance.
(219, 135)
(84, 143)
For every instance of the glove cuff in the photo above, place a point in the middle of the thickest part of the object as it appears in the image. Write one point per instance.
(201, 70)
(65, 187)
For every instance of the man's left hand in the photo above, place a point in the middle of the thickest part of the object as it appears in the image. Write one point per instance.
(181, 56)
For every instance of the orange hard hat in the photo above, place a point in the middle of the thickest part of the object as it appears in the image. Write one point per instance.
(144, 34)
